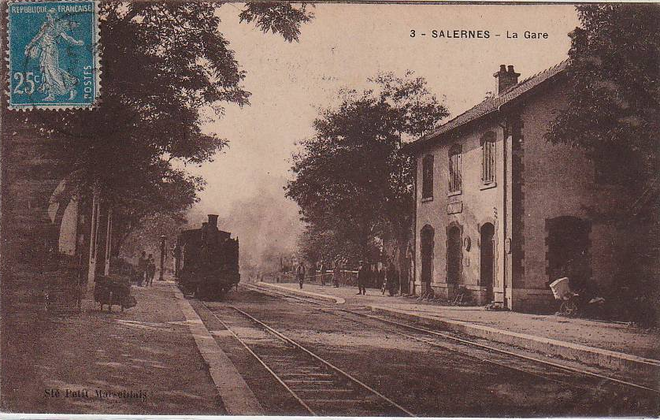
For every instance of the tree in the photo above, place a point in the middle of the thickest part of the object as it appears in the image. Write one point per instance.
(614, 115)
(614, 100)
(351, 181)
(166, 68)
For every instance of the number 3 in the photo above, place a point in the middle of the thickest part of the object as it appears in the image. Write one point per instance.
(412, 33)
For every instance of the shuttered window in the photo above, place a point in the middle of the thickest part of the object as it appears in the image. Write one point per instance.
(488, 158)
(427, 177)
(455, 177)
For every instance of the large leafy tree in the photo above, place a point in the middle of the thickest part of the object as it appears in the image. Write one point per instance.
(614, 100)
(166, 69)
(614, 115)
(351, 181)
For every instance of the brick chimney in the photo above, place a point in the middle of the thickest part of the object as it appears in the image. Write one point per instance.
(505, 78)
(213, 220)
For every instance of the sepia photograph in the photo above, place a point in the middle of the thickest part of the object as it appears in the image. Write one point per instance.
(337, 209)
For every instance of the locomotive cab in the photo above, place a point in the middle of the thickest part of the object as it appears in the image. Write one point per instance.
(206, 261)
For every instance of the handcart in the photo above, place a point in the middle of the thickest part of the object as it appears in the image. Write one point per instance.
(561, 290)
(114, 290)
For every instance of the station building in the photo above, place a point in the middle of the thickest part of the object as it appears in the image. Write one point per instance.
(55, 237)
(500, 212)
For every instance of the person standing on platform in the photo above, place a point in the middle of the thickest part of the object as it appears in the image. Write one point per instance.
(392, 278)
(300, 273)
(151, 270)
(322, 273)
(142, 268)
(362, 278)
(336, 272)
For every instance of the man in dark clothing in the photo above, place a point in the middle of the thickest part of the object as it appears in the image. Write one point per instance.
(151, 270)
(336, 273)
(392, 278)
(143, 262)
(300, 273)
(363, 277)
(322, 273)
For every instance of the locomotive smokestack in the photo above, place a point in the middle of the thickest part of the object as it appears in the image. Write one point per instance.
(213, 220)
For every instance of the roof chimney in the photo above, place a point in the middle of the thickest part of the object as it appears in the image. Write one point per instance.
(505, 78)
(213, 220)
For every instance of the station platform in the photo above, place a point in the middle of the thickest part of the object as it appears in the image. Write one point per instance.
(146, 360)
(610, 345)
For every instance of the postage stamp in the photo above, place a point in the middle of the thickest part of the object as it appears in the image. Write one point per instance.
(53, 55)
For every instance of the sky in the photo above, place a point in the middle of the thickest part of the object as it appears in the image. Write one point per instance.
(341, 47)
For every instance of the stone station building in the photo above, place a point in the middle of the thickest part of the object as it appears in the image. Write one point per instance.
(500, 212)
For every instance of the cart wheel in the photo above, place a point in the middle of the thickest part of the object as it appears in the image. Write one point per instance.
(569, 307)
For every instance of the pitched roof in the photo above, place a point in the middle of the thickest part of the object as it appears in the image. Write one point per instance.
(490, 105)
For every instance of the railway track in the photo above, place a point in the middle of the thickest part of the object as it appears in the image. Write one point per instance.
(576, 378)
(320, 387)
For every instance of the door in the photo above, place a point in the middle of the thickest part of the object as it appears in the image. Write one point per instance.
(568, 250)
(454, 255)
(427, 255)
(487, 273)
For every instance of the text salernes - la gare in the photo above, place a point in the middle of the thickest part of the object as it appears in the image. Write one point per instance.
(475, 34)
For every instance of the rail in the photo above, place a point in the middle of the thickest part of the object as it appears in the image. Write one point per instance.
(293, 377)
(471, 343)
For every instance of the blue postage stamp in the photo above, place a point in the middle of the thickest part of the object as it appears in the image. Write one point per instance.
(53, 55)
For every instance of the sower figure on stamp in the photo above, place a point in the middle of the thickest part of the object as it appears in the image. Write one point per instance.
(300, 273)
(55, 80)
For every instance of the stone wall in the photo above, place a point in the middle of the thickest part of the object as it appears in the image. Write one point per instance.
(469, 210)
(559, 181)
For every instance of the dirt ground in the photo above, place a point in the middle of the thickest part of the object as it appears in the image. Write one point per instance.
(428, 380)
(141, 361)
(605, 335)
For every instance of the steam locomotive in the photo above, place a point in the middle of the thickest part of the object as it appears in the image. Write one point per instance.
(206, 261)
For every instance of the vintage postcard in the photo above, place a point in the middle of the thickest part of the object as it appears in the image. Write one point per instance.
(357, 209)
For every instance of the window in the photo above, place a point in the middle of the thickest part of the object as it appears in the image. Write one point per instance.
(488, 158)
(455, 179)
(427, 177)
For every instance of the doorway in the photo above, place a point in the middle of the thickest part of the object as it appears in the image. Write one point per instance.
(454, 255)
(568, 250)
(427, 255)
(487, 273)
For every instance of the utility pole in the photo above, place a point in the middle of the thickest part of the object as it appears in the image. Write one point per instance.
(162, 256)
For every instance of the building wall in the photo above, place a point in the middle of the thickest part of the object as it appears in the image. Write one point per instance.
(559, 180)
(469, 210)
(545, 182)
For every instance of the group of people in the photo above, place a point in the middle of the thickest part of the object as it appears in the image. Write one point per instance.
(387, 279)
(146, 270)
(336, 272)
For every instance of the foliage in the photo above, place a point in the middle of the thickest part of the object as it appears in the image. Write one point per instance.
(614, 100)
(146, 236)
(166, 69)
(351, 180)
(277, 18)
